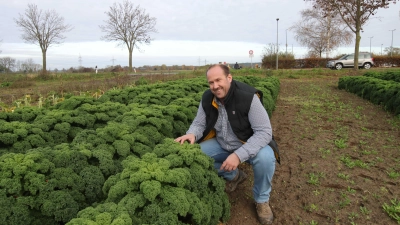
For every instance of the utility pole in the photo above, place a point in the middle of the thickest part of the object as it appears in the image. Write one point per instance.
(80, 61)
(370, 38)
(286, 42)
(205, 62)
(113, 60)
(391, 46)
(277, 48)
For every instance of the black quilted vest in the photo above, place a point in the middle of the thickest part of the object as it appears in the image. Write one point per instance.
(237, 104)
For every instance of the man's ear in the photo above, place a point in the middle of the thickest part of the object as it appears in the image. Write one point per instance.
(229, 77)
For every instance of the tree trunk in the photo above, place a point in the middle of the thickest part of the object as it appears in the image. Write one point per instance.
(358, 36)
(44, 61)
(356, 49)
(130, 60)
(329, 35)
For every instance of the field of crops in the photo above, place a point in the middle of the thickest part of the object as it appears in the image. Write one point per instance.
(112, 159)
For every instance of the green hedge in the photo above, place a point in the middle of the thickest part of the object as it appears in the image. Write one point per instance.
(387, 75)
(380, 92)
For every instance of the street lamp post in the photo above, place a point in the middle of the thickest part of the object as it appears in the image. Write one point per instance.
(286, 42)
(370, 43)
(391, 46)
(277, 48)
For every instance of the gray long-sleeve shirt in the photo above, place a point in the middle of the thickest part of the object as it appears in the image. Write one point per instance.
(259, 121)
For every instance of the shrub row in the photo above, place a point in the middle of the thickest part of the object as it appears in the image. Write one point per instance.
(380, 92)
(387, 75)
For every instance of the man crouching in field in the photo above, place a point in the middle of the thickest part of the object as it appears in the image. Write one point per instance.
(232, 127)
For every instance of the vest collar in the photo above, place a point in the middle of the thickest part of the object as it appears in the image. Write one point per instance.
(229, 96)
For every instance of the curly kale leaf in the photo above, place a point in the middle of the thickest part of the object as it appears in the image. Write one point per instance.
(150, 189)
(60, 205)
(93, 181)
(122, 147)
(104, 214)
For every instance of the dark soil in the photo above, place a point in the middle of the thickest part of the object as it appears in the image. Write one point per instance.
(337, 151)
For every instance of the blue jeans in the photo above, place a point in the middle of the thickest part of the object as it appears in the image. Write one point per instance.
(263, 165)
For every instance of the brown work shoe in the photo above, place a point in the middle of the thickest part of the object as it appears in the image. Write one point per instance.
(264, 212)
(232, 184)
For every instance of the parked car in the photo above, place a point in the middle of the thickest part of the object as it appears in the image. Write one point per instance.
(365, 61)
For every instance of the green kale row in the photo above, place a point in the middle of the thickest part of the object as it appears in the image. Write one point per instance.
(92, 155)
(103, 150)
(52, 127)
(174, 183)
(377, 91)
(387, 75)
(159, 94)
(29, 127)
(47, 185)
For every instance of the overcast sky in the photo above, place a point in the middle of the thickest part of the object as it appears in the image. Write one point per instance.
(188, 30)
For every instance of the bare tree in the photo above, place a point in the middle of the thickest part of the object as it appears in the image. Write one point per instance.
(128, 25)
(269, 52)
(355, 13)
(7, 63)
(321, 33)
(392, 51)
(42, 28)
(27, 65)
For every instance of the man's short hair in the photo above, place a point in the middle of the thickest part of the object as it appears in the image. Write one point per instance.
(224, 68)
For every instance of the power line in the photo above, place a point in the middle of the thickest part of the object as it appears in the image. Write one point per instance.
(113, 60)
(80, 60)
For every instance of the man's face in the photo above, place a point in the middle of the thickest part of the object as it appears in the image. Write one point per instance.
(219, 82)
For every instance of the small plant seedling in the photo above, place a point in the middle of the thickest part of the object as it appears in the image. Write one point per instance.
(347, 161)
(324, 152)
(393, 174)
(345, 202)
(340, 143)
(350, 190)
(393, 210)
(313, 179)
(363, 142)
(364, 210)
(353, 216)
(343, 176)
